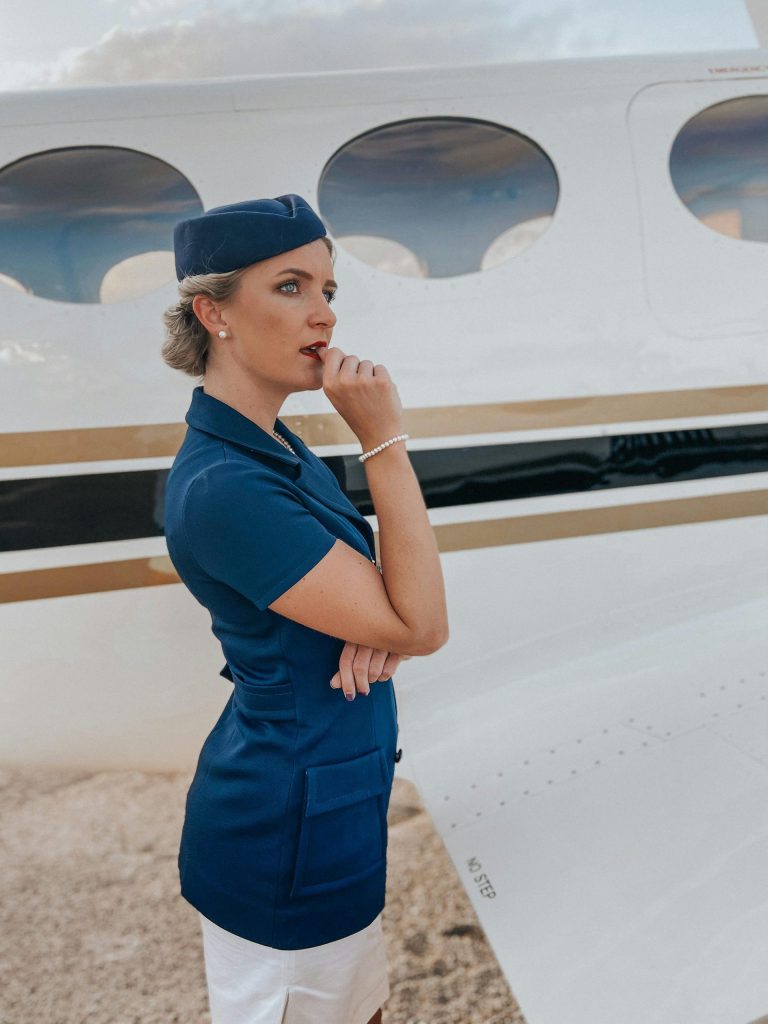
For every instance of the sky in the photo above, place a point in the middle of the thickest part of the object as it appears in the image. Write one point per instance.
(90, 42)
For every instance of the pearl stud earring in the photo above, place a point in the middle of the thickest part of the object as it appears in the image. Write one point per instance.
(223, 334)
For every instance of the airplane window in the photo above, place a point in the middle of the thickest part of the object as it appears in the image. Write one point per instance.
(438, 196)
(91, 223)
(719, 167)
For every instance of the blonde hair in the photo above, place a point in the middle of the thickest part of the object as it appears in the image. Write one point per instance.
(186, 339)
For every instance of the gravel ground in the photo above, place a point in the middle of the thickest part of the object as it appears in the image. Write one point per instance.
(94, 931)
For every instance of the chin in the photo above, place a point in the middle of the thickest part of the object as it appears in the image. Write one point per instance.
(309, 387)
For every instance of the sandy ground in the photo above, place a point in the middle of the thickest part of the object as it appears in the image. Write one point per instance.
(94, 931)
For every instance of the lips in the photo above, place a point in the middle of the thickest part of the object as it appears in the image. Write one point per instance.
(311, 350)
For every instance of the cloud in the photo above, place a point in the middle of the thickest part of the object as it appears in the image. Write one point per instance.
(17, 74)
(164, 40)
(141, 8)
(290, 37)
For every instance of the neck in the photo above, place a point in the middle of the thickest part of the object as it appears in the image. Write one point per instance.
(256, 403)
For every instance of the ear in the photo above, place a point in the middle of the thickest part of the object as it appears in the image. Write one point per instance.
(208, 314)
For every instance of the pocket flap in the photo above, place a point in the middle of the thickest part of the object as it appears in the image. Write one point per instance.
(270, 699)
(330, 786)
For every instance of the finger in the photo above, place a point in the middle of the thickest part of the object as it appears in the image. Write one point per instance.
(332, 359)
(378, 658)
(360, 663)
(393, 660)
(347, 681)
(365, 368)
(348, 368)
(347, 653)
(346, 673)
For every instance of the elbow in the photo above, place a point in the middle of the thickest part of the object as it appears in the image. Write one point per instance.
(432, 642)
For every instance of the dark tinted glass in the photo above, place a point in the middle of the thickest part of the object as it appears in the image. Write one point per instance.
(439, 196)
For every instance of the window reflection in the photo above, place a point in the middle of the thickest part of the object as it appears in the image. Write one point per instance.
(514, 241)
(91, 223)
(137, 275)
(11, 282)
(384, 254)
(438, 197)
(719, 167)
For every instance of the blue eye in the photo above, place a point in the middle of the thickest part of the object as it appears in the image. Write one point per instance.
(330, 294)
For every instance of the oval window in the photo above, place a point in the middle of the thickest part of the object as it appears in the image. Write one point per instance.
(438, 196)
(719, 167)
(91, 223)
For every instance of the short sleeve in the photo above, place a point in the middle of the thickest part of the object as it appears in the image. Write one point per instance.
(249, 529)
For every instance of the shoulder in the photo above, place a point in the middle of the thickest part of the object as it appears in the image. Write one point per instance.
(233, 476)
(234, 488)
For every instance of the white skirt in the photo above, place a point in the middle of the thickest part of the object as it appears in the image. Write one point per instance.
(340, 982)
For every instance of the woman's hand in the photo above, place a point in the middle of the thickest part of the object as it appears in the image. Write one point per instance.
(363, 394)
(359, 666)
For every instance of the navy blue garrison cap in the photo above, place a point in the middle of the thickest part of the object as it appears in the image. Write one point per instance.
(230, 237)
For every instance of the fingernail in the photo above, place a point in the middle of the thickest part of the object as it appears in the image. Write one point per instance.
(349, 696)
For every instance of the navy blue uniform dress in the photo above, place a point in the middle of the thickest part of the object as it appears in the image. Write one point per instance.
(285, 830)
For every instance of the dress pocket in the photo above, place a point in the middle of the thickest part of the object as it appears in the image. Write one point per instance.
(343, 832)
(268, 702)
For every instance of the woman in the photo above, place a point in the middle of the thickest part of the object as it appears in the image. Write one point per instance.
(283, 849)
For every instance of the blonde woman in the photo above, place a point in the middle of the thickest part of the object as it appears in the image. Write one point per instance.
(283, 849)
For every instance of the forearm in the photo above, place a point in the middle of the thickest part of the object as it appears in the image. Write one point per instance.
(409, 556)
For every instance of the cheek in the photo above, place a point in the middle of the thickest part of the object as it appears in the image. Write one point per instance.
(279, 319)
(261, 332)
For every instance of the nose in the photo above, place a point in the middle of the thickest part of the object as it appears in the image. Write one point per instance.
(322, 314)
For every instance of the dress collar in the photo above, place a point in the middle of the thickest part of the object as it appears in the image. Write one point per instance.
(214, 417)
(218, 419)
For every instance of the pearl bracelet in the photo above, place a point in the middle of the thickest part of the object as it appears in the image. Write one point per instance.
(381, 447)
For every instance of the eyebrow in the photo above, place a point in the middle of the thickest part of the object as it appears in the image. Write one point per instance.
(304, 274)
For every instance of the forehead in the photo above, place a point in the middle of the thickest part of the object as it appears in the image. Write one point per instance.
(313, 258)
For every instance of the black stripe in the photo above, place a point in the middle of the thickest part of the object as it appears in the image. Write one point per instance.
(84, 509)
(468, 476)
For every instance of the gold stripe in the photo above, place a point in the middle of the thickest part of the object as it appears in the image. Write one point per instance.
(588, 521)
(542, 414)
(147, 572)
(68, 580)
(45, 447)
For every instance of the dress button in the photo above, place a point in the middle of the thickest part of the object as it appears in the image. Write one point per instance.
(398, 754)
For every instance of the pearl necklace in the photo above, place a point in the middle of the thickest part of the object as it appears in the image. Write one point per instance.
(282, 440)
